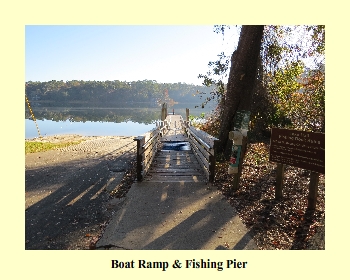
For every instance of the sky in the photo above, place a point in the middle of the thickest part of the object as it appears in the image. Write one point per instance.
(164, 53)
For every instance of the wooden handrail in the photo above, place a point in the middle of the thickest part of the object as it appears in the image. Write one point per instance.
(147, 147)
(203, 146)
(146, 150)
(202, 143)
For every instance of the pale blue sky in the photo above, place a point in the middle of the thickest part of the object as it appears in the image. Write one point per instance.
(167, 54)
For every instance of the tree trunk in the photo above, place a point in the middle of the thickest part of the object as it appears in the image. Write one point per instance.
(242, 77)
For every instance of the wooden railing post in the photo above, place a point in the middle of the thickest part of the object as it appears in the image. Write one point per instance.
(140, 140)
(164, 113)
(187, 116)
(212, 163)
(162, 117)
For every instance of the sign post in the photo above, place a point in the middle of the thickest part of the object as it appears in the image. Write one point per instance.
(312, 197)
(239, 146)
(300, 149)
(279, 180)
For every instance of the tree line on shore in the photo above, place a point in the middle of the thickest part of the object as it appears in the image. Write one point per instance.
(146, 93)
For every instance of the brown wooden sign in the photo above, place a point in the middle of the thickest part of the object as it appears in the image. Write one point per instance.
(298, 148)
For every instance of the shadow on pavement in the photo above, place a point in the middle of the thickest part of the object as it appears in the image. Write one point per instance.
(175, 216)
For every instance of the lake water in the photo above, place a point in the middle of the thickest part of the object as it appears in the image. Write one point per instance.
(95, 121)
(89, 128)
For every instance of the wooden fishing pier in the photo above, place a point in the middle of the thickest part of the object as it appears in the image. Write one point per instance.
(176, 151)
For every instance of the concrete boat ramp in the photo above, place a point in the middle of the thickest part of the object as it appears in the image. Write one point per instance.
(175, 216)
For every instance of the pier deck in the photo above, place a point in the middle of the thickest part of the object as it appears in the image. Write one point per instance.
(175, 160)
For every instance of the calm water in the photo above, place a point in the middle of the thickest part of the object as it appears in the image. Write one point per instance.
(95, 121)
(89, 128)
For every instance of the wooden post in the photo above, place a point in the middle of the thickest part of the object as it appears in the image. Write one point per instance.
(187, 117)
(212, 162)
(237, 176)
(163, 116)
(140, 141)
(279, 181)
(313, 187)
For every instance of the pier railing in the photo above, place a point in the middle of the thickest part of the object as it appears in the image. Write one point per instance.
(203, 146)
(147, 147)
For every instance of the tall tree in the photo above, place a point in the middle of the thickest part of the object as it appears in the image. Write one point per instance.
(241, 81)
(290, 84)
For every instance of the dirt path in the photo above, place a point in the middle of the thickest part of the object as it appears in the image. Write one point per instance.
(67, 197)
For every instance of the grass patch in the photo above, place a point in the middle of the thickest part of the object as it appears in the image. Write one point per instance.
(34, 147)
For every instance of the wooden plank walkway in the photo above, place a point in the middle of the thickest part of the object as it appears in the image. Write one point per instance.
(175, 165)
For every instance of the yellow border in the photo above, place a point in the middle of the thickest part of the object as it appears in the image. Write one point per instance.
(96, 264)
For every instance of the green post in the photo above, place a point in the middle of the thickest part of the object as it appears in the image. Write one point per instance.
(239, 137)
(237, 176)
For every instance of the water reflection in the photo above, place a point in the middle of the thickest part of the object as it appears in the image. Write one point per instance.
(96, 121)
(117, 115)
(176, 146)
(88, 128)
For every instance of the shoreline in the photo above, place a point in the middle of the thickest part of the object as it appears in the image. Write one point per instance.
(71, 137)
